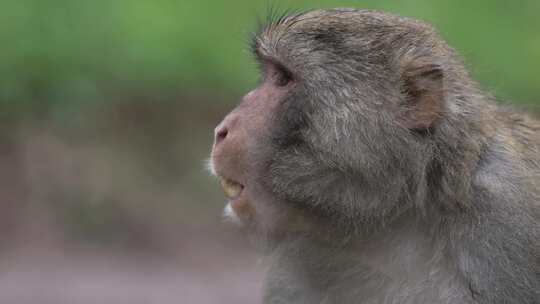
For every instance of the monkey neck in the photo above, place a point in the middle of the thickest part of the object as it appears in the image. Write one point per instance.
(399, 258)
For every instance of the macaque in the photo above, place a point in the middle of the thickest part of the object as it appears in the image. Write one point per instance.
(369, 167)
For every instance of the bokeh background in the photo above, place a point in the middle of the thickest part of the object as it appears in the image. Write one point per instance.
(106, 117)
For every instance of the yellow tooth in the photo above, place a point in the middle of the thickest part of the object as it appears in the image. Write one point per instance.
(231, 188)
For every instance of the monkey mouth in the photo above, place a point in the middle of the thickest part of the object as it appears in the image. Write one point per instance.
(232, 189)
(238, 209)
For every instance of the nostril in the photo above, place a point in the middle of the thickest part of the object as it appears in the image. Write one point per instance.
(221, 134)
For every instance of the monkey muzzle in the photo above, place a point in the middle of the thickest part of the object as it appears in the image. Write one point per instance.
(231, 188)
(238, 208)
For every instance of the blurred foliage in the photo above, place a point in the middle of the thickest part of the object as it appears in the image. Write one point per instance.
(67, 52)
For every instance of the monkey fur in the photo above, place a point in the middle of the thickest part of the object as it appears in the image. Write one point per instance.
(370, 168)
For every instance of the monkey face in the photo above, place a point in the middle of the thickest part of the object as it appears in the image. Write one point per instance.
(236, 154)
(335, 129)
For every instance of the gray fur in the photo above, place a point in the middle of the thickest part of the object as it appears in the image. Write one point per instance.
(387, 214)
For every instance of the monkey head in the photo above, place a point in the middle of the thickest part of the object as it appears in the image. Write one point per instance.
(342, 126)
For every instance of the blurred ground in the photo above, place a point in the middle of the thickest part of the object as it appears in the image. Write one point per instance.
(113, 206)
(115, 279)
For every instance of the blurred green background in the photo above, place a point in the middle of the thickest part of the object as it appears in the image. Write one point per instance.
(107, 111)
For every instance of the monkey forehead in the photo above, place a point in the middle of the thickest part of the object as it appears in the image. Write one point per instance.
(354, 25)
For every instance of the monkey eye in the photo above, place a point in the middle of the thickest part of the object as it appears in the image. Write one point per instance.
(282, 75)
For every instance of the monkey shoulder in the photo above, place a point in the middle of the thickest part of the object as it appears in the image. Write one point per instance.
(498, 249)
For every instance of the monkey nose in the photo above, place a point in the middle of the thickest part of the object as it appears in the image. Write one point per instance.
(220, 133)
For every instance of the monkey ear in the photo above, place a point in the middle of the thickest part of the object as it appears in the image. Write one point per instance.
(423, 89)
